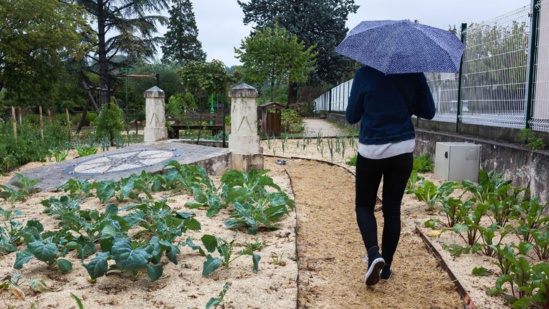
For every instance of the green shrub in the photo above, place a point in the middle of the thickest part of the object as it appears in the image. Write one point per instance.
(423, 163)
(32, 119)
(307, 109)
(291, 121)
(60, 119)
(530, 141)
(352, 161)
(90, 118)
(29, 146)
(109, 123)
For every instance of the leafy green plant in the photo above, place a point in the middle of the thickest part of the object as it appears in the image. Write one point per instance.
(254, 246)
(429, 193)
(423, 163)
(131, 257)
(58, 154)
(241, 186)
(12, 282)
(530, 218)
(278, 259)
(10, 214)
(90, 225)
(530, 141)
(86, 150)
(456, 209)
(78, 301)
(195, 179)
(215, 301)
(225, 250)
(157, 219)
(540, 243)
(265, 211)
(489, 184)
(24, 188)
(528, 283)
(11, 235)
(504, 207)
(488, 234)
(77, 188)
(480, 271)
(49, 247)
(471, 225)
(411, 185)
(352, 161)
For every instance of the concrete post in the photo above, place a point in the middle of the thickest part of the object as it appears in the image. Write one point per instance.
(155, 127)
(244, 140)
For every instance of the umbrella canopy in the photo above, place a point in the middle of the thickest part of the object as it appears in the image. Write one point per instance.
(401, 46)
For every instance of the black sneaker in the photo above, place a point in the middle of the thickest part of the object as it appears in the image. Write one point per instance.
(385, 274)
(372, 276)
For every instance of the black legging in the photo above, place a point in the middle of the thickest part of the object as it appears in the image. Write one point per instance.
(395, 171)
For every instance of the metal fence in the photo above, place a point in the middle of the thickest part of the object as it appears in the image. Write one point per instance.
(498, 88)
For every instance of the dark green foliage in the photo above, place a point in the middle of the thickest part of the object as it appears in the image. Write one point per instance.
(315, 22)
(110, 122)
(352, 161)
(291, 121)
(181, 42)
(122, 27)
(28, 146)
(423, 164)
(530, 141)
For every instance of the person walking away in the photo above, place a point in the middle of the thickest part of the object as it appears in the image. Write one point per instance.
(384, 104)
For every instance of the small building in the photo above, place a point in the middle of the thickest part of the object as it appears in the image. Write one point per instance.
(271, 119)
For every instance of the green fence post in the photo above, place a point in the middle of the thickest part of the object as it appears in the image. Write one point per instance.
(330, 104)
(460, 74)
(530, 70)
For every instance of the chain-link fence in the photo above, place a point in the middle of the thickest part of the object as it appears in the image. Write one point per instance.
(504, 79)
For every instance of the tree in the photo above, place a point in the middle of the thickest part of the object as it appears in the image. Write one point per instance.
(202, 79)
(123, 26)
(110, 122)
(36, 36)
(272, 55)
(181, 42)
(315, 22)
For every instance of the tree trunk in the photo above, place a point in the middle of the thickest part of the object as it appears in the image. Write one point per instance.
(272, 91)
(103, 63)
(84, 112)
(292, 93)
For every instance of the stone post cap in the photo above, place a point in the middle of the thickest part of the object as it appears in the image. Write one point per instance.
(154, 92)
(243, 91)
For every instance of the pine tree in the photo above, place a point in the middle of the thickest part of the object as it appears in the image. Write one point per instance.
(123, 28)
(181, 42)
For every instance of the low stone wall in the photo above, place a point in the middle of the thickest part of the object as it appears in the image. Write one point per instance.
(525, 167)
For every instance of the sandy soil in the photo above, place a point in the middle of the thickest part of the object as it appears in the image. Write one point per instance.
(313, 261)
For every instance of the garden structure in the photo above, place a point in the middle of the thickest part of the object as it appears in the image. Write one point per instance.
(271, 118)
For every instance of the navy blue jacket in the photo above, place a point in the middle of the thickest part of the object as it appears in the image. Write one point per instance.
(384, 104)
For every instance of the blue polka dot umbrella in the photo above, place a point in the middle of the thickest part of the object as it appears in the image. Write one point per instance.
(401, 46)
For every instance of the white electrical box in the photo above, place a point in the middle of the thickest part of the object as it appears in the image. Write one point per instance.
(457, 161)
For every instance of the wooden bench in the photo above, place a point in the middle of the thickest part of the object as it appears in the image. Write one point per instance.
(214, 122)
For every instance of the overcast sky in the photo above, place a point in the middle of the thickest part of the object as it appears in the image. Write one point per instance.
(220, 26)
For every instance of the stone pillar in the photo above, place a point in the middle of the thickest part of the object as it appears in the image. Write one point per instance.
(244, 140)
(155, 126)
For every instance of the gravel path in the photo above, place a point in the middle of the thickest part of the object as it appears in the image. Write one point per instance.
(314, 126)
